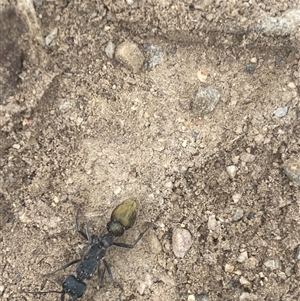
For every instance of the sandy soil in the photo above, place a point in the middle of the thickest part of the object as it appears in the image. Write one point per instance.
(80, 132)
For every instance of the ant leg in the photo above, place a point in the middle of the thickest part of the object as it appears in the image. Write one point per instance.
(62, 296)
(101, 273)
(107, 267)
(88, 234)
(127, 246)
(101, 276)
(67, 265)
(79, 231)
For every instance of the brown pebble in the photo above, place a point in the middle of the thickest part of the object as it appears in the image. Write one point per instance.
(292, 170)
(129, 54)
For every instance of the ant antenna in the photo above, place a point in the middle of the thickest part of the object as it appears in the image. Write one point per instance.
(43, 293)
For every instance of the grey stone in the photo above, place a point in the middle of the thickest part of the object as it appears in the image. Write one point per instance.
(154, 56)
(281, 112)
(50, 37)
(205, 100)
(238, 215)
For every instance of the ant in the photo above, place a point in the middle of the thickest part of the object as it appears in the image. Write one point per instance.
(122, 218)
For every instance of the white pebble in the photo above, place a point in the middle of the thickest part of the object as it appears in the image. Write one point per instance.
(229, 268)
(182, 241)
(272, 264)
(242, 257)
(231, 170)
(212, 223)
(236, 197)
(16, 146)
(110, 49)
(248, 297)
(169, 185)
(292, 85)
(191, 298)
(117, 190)
(244, 281)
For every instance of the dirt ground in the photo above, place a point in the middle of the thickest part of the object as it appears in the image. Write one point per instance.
(80, 132)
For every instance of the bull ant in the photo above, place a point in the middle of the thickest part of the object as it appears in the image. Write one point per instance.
(122, 218)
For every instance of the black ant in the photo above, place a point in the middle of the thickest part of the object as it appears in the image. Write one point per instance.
(122, 218)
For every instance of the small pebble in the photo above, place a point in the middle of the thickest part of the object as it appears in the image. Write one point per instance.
(169, 185)
(289, 271)
(281, 112)
(244, 281)
(236, 197)
(231, 170)
(209, 17)
(16, 146)
(117, 190)
(154, 55)
(50, 37)
(251, 215)
(182, 241)
(253, 60)
(206, 100)
(110, 49)
(278, 59)
(212, 222)
(24, 218)
(292, 85)
(191, 298)
(246, 157)
(292, 170)
(229, 268)
(251, 263)
(250, 68)
(272, 264)
(259, 138)
(202, 76)
(56, 199)
(297, 255)
(154, 243)
(238, 215)
(248, 297)
(202, 297)
(129, 2)
(242, 257)
(65, 106)
(130, 55)
(143, 283)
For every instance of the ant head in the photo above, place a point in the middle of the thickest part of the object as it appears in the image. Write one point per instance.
(115, 228)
